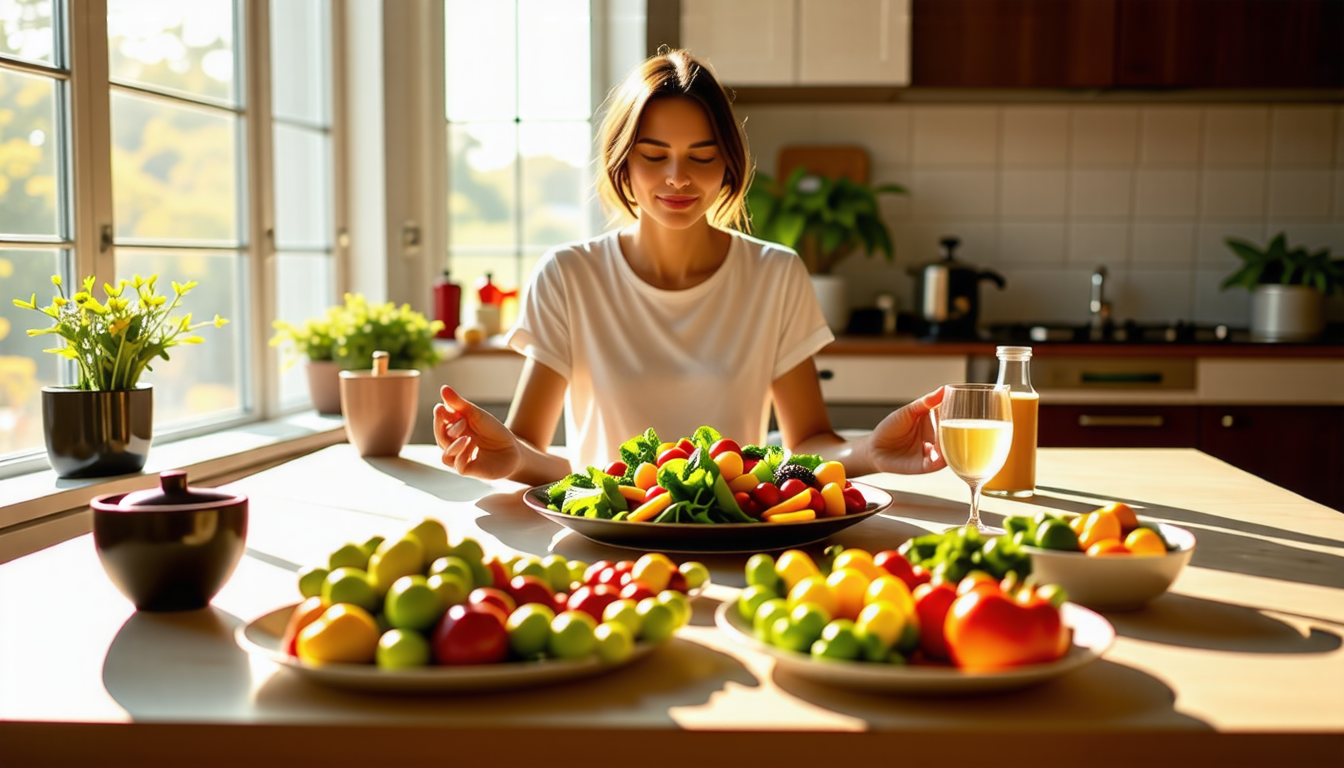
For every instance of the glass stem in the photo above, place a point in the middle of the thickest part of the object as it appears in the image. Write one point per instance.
(974, 522)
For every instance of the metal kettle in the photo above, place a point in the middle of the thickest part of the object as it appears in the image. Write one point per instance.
(947, 293)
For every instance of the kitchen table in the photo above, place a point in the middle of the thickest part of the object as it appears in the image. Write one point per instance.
(1240, 663)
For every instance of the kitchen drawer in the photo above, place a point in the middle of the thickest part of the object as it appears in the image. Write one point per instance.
(1118, 426)
(885, 380)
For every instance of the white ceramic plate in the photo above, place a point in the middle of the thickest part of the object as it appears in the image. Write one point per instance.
(261, 638)
(1092, 636)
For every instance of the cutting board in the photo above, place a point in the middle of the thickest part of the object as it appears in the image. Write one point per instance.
(829, 160)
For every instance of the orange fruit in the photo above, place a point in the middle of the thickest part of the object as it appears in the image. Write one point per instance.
(1145, 541)
(344, 633)
(814, 589)
(1100, 525)
(1122, 511)
(860, 560)
(1107, 547)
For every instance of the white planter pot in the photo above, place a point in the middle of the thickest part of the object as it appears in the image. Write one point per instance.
(830, 290)
(1286, 313)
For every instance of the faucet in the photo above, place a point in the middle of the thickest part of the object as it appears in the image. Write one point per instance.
(1098, 308)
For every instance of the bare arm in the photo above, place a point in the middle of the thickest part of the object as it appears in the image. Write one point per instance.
(905, 442)
(476, 444)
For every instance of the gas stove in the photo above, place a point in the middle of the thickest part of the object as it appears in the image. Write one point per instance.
(1128, 332)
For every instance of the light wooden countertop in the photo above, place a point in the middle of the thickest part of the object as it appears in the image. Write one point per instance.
(1242, 660)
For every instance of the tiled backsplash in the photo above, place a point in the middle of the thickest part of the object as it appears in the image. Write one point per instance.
(1045, 193)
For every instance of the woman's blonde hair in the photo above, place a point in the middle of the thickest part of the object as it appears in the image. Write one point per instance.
(673, 73)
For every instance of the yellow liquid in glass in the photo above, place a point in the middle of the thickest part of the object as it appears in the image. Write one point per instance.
(975, 448)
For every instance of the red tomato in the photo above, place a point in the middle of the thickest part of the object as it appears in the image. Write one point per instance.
(608, 575)
(593, 600)
(987, 630)
(817, 503)
(854, 500)
(686, 445)
(671, 453)
(654, 490)
(637, 590)
(894, 563)
(616, 469)
(590, 575)
(723, 446)
(766, 494)
(742, 498)
(749, 462)
(525, 588)
(932, 602)
(677, 582)
(497, 597)
(792, 487)
(922, 575)
(499, 573)
(624, 566)
(470, 635)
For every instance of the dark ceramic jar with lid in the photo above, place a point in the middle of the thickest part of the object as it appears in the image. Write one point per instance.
(170, 548)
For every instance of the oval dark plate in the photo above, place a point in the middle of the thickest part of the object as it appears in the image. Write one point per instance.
(695, 538)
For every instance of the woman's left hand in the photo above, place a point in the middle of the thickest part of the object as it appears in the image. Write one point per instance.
(906, 441)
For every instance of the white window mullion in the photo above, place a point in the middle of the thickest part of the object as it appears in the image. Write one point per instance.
(90, 138)
(260, 199)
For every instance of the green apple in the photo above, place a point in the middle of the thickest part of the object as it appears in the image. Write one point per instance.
(310, 580)
(696, 574)
(767, 613)
(572, 635)
(474, 556)
(678, 602)
(454, 565)
(401, 649)
(761, 570)
(370, 546)
(577, 571)
(624, 611)
(412, 604)
(529, 565)
(350, 585)
(348, 556)
(838, 642)
(394, 559)
(433, 538)
(557, 573)
(657, 620)
(615, 642)
(530, 630)
(751, 599)
(451, 588)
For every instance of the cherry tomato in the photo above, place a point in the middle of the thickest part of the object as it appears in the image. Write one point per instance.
(616, 469)
(791, 487)
(672, 453)
(686, 445)
(654, 490)
(854, 500)
(590, 575)
(723, 446)
(766, 494)
(817, 503)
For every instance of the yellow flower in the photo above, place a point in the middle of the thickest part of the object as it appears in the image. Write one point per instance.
(191, 340)
(111, 292)
(88, 282)
(56, 280)
(30, 304)
(119, 325)
(219, 321)
(59, 301)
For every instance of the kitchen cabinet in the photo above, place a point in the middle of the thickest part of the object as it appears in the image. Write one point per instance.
(1298, 447)
(1127, 44)
(784, 43)
(860, 390)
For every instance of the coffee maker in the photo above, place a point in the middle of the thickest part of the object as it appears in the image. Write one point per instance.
(947, 294)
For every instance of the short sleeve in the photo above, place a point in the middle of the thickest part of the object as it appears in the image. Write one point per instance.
(542, 331)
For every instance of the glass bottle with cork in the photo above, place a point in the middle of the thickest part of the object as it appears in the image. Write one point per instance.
(1017, 478)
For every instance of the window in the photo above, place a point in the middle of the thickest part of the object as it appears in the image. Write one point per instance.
(519, 99)
(159, 164)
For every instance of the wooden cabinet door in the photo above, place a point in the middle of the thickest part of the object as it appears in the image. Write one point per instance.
(749, 42)
(855, 42)
(1117, 426)
(1230, 44)
(1298, 447)
(1013, 43)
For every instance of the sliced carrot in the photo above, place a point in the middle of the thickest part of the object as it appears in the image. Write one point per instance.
(631, 493)
(650, 509)
(792, 517)
(794, 503)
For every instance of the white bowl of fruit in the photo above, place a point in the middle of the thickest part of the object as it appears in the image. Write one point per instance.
(1106, 559)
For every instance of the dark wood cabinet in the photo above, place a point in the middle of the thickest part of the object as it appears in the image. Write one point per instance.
(1298, 447)
(1127, 43)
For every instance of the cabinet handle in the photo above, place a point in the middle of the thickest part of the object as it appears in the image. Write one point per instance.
(825, 374)
(1086, 420)
(1226, 421)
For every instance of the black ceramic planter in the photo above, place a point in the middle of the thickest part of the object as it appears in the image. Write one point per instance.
(96, 433)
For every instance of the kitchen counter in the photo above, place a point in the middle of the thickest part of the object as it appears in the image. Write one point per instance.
(1241, 663)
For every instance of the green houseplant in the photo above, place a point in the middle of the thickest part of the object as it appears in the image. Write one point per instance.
(1288, 287)
(823, 219)
(345, 338)
(103, 425)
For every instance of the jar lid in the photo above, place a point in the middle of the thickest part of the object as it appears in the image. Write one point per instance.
(173, 491)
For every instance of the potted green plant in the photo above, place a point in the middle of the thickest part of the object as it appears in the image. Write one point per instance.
(103, 425)
(347, 335)
(1288, 287)
(824, 220)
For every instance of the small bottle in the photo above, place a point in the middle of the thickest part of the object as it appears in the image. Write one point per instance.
(1017, 478)
(447, 305)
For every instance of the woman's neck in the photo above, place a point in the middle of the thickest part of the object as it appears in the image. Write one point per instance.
(674, 259)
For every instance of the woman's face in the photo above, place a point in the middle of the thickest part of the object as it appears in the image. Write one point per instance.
(676, 169)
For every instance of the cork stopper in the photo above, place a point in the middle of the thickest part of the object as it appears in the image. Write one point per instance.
(380, 360)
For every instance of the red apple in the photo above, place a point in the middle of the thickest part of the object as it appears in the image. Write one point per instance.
(677, 581)
(526, 588)
(894, 562)
(637, 590)
(470, 635)
(593, 600)
(499, 573)
(590, 575)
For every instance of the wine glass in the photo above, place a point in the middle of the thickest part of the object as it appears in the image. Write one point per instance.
(975, 427)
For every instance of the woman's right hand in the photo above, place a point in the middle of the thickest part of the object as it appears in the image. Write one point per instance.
(474, 443)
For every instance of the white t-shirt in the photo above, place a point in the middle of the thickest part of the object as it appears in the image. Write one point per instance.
(637, 356)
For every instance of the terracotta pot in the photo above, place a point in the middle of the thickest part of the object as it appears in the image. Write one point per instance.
(379, 409)
(324, 386)
(170, 548)
(93, 433)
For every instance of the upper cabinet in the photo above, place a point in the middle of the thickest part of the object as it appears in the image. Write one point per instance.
(801, 43)
(1128, 43)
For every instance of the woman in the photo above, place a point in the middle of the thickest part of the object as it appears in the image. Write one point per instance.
(673, 321)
